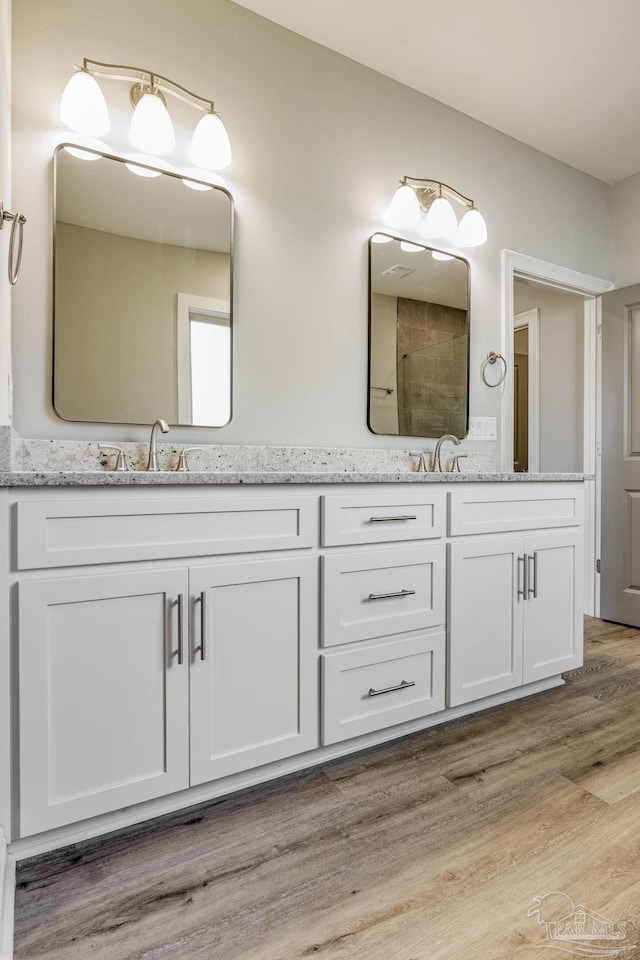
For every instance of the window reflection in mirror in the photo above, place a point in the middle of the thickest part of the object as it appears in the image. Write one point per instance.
(142, 296)
(418, 340)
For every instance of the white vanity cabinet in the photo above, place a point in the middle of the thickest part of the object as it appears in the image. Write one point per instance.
(515, 602)
(383, 610)
(175, 646)
(142, 682)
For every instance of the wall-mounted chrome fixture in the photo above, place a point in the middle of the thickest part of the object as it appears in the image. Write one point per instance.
(18, 221)
(84, 109)
(492, 358)
(425, 206)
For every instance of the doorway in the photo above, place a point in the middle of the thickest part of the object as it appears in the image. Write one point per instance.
(549, 378)
(567, 396)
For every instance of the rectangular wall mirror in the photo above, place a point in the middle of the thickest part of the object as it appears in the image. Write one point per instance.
(142, 294)
(418, 340)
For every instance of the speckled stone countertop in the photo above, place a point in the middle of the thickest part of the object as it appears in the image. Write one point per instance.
(87, 478)
(76, 463)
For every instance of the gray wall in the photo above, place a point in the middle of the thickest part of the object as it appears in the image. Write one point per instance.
(319, 144)
(626, 217)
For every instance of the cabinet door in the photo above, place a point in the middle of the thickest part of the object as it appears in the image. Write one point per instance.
(553, 623)
(254, 684)
(103, 698)
(485, 617)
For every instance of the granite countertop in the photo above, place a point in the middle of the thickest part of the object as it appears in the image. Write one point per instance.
(87, 478)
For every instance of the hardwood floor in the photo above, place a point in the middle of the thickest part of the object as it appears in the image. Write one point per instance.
(432, 848)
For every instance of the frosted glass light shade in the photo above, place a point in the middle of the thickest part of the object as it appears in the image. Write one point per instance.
(404, 209)
(472, 231)
(81, 154)
(195, 185)
(210, 146)
(83, 107)
(135, 159)
(439, 255)
(151, 129)
(440, 220)
(411, 247)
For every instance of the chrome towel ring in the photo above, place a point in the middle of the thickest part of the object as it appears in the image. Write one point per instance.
(492, 358)
(17, 233)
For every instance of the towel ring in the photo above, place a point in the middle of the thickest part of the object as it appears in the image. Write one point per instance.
(492, 358)
(17, 233)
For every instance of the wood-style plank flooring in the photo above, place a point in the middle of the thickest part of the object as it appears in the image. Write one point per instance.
(432, 848)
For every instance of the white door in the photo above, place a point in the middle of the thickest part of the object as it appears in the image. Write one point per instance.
(620, 550)
(254, 680)
(485, 617)
(553, 622)
(103, 696)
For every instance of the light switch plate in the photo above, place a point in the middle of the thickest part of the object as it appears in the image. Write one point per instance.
(482, 428)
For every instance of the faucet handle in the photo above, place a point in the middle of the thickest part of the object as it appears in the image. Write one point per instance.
(455, 462)
(421, 466)
(183, 463)
(121, 463)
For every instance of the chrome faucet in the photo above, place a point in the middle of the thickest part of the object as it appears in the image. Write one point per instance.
(152, 462)
(437, 465)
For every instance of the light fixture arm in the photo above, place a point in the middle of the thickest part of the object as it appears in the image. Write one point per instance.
(435, 186)
(155, 80)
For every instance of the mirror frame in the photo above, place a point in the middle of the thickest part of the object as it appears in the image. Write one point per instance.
(177, 176)
(369, 351)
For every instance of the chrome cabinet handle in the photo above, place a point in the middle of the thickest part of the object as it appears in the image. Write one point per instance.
(203, 625)
(403, 685)
(388, 596)
(522, 590)
(180, 632)
(533, 591)
(389, 519)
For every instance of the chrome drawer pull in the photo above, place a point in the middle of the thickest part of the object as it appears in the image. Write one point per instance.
(389, 519)
(388, 596)
(403, 685)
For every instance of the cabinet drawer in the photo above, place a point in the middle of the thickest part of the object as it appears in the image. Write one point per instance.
(379, 593)
(72, 532)
(372, 688)
(505, 507)
(381, 518)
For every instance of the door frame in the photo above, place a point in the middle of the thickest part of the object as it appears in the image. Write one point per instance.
(519, 265)
(530, 320)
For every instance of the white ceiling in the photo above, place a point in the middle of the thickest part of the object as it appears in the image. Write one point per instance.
(560, 75)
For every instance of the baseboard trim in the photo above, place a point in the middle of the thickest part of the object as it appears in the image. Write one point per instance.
(7, 898)
(129, 816)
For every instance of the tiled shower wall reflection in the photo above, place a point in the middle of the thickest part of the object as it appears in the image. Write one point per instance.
(432, 369)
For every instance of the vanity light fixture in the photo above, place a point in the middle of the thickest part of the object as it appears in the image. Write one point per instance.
(426, 206)
(84, 109)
